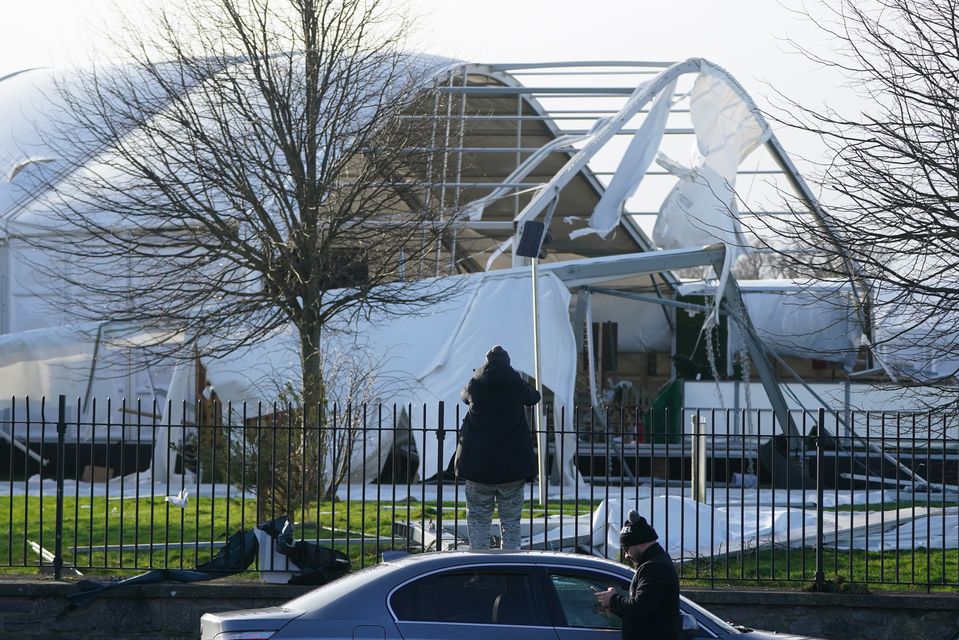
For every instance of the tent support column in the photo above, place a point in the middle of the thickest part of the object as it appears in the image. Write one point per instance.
(538, 410)
(608, 269)
(732, 304)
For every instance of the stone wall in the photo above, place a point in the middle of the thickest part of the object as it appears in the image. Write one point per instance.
(37, 609)
(838, 616)
(169, 611)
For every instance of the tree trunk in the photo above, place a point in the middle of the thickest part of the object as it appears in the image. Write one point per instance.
(313, 393)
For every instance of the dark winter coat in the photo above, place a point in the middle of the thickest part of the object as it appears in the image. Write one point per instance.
(651, 612)
(495, 444)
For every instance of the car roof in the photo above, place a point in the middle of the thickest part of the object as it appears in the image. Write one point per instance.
(440, 559)
(384, 576)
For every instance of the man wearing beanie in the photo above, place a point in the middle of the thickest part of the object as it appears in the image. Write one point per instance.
(495, 450)
(651, 611)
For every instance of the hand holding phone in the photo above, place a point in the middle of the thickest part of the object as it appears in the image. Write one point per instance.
(603, 597)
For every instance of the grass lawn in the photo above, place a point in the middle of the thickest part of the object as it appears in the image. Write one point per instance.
(846, 570)
(129, 527)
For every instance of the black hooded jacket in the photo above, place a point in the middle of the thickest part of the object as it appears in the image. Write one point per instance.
(651, 611)
(495, 444)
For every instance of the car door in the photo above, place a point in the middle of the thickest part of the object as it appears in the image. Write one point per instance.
(577, 615)
(472, 603)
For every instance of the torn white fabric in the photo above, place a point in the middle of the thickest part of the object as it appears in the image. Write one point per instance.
(701, 207)
(632, 168)
(727, 129)
(699, 210)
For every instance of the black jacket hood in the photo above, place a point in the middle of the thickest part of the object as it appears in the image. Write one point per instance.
(496, 374)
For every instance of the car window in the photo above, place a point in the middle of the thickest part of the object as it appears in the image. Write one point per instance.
(576, 599)
(472, 596)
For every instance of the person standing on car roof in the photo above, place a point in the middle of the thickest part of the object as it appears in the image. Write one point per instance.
(495, 450)
(651, 610)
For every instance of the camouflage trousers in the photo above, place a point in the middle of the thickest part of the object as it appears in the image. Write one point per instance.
(480, 498)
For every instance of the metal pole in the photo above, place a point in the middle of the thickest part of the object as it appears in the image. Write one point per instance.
(538, 410)
(698, 459)
(61, 436)
(820, 432)
(440, 472)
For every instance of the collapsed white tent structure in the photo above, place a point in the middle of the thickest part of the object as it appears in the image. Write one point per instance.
(524, 155)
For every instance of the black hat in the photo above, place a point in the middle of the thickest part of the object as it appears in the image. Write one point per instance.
(497, 353)
(636, 530)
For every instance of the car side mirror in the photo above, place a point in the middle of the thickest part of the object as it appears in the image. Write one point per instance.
(690, 624)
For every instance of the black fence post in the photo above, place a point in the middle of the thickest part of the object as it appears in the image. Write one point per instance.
(440, 472)
(61, 436)
(820, 434)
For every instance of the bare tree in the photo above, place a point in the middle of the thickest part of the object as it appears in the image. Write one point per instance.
(290, 464)
(890, 215)
(256, 167)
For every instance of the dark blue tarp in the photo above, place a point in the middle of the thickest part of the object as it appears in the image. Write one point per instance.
(316, 565)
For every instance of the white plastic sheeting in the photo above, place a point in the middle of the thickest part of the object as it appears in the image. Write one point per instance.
(422, 359)
(47, 362)
(938, 530)
(32, 115)
(133, 486)
(632, 168)
(689, 529)
(801, 319)
(701, 208)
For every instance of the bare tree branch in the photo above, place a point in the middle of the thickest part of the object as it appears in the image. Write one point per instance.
(891, 188)
(251, 169)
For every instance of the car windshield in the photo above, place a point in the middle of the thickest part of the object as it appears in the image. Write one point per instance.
(724, 626)
(336, 589)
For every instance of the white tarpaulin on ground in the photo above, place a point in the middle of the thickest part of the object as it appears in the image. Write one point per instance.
(428, 357)
(689, 529)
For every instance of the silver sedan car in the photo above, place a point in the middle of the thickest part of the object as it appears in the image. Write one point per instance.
(486, 595)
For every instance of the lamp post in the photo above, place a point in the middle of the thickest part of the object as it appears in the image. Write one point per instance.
(530, 240)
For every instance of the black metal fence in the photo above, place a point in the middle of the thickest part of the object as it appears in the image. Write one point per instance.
(843, 496)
